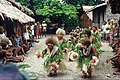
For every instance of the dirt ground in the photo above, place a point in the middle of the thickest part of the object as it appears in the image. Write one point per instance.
(37, 72)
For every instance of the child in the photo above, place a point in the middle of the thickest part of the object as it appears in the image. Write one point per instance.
(54, 60)
(61, 41)
(60, 36)
(87, 57)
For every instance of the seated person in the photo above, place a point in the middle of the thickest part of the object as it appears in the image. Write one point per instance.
(115, 61)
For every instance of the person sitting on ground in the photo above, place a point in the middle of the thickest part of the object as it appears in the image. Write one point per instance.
(115, 44)
(115, 61)
(17, 42)
(9, 52)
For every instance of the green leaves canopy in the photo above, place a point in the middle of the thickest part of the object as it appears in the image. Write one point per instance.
(83, 2)
(57, 9)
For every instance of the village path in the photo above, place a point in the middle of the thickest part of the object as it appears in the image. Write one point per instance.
(36, 71)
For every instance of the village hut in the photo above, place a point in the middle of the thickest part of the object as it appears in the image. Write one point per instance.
(12, 18)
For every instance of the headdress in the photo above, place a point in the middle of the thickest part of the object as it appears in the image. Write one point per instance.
(60, 32)
(50, 41)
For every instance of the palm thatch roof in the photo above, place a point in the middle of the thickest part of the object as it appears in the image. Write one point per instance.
(7, 10)
(86, 20)
(22, 8)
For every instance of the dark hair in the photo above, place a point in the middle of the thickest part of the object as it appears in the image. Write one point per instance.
(50, 41)
(86, 42)
(88, 32)
(71, 33)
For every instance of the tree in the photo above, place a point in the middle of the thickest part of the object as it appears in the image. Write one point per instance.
(83, 2)
(115, 6)
(53, 11)
(60, 12)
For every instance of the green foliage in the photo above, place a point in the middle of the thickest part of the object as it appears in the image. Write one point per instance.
(23, 2)
(67, 13)
(23, 66)
(83, 2)
(55, 10)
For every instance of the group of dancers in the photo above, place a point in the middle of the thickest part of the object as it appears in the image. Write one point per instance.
(83, 47)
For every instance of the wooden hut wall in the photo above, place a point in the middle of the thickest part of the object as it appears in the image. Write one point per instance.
(9, 27)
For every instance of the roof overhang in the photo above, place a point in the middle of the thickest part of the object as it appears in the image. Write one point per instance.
(9, 11)
(95, 7)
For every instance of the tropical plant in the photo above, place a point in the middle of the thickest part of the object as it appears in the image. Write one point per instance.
(60, 12)
(83, 2)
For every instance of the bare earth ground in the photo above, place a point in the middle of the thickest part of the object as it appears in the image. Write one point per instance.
(36, 71)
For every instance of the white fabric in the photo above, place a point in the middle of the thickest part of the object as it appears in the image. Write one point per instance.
(44, 25)
(26, 36)
(107, 31)
(44, 28)
(10, 43)
(72, 53)
(85, 68)
(96, 60)
(104, 27)
(53, 51)
(32, 28)
(2, 36)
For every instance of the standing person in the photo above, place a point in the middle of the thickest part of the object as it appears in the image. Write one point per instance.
(32, 30)
(32, 35)
(104, 30)
(61, 41)
(2, 34)
(44, 26)
(26, 32)
(111, 34)
(108, 30)
(37, 30)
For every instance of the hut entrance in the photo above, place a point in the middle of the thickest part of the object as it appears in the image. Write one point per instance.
(1, 21)
(9, 27)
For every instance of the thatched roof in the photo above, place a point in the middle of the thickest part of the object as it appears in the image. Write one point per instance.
(19, 6)
(86, 20)
(7, 10)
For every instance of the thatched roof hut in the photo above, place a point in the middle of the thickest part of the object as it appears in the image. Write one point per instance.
(8, 10)
(12, 18)
(20, 7)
